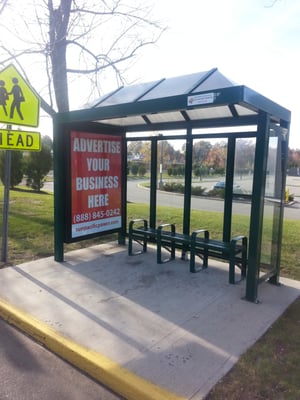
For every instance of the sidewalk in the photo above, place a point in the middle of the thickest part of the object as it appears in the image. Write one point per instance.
(148, 331)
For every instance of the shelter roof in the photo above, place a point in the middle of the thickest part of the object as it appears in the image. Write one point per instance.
(203, 99)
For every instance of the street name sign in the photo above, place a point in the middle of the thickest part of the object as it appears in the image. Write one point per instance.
(20, 140)
(19, 103)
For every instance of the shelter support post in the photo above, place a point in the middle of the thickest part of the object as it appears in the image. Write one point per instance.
(187, 186)
(280, 184)
(122, 234)
(257, 206)
(59, 217)
(229, 190)
(153, 184)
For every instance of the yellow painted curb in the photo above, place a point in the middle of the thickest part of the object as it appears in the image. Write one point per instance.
(98, 366)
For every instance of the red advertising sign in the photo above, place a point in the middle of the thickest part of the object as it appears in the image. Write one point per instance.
(96, 170)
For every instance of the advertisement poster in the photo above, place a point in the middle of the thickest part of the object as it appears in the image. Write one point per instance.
(96, 170)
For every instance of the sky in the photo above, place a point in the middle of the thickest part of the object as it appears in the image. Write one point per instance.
(254, 43)
(251, 42)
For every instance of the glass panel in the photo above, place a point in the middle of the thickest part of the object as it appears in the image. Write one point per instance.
(171, 180)
(215, 82)
(272, 204)
(175, 86)
(138, 179)
(242, 187)
(165, 117)
(244, 110)
(210, 112)
(128, 94)
(244, 167)
(207, 203)
(134, 120)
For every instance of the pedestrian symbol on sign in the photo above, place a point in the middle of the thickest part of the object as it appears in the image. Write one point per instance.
(19, 103)
(3, 96)
(18, 98)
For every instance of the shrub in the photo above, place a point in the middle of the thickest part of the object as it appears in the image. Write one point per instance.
(134, 169)
(174, 187)
(197, 190)
(142, 170)
(217, 193)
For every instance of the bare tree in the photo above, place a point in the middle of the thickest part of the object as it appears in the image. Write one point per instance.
(271, 3)
(72, 41)
(2, 5)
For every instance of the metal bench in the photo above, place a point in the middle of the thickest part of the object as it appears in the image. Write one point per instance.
(198, 244)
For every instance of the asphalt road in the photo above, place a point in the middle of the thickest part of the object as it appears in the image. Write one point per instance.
(138, 194)
(30, 372)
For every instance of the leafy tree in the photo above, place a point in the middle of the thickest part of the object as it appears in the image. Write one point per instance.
(72, 40)
(134, 169)
(244, 156)
(216, 157)
(47, 141)
(16, 168)
(142, 170)
(198, 171)
(38, 164)
(135, 147)
(293, 158)
(201, 150)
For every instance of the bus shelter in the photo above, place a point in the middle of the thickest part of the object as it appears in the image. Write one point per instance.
(204, 106)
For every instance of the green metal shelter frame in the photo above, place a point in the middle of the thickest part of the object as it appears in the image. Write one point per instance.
(187, 103)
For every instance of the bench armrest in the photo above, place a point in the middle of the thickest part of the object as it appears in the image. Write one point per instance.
(134, 221)
(162, 227)
(237, 239)
(198, 232)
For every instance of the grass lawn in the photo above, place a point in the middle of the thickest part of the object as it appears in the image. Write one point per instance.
(269, 370)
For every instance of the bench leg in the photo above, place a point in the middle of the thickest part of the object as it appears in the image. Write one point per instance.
(145, 244)
(244, 258)
(231, 270)
(244, 266)
(158, 252)
(142, 242)
(193, 267)
(184, 251)
(170, 247)
(192, 261)
(129, 245)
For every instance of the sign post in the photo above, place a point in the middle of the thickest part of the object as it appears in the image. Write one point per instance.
(19, 105)
(6, 205)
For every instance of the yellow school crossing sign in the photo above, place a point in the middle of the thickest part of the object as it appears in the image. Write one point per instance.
(19, 104)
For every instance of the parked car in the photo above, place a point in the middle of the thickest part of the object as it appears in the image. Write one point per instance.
(221, 185)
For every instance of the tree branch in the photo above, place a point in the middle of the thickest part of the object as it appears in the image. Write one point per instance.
(3, 4)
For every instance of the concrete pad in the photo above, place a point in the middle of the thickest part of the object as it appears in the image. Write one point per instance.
(179, 331)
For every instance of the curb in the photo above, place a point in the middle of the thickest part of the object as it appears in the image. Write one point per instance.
(101, 368)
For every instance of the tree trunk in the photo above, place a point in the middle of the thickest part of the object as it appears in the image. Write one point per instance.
(58, 23)
(60, 78)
